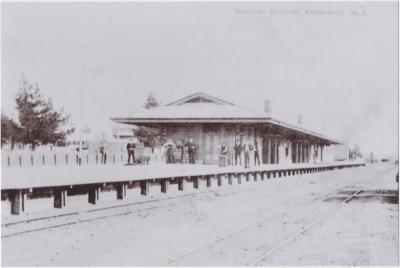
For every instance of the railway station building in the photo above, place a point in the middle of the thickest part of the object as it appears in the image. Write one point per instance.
(211, 122)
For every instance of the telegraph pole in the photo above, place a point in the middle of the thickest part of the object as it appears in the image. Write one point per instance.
(81, 107)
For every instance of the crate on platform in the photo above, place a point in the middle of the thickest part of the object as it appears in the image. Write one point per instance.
(222, 160)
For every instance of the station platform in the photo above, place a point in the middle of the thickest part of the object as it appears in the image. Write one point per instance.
(52, 176)
(63, 181)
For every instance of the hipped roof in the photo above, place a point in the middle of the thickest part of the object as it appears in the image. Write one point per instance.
(203, 108)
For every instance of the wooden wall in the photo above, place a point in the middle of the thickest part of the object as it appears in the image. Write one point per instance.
(209, 137)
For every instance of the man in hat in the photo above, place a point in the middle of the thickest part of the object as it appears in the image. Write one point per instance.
(170, 154)
(191, 150)
(103, 152)
(247, 148)
(238, 151)
(224, 150)
(131, 151)
(170, 151)
(256, 155)
(181, 146)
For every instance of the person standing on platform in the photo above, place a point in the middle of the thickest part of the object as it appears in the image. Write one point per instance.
(170, 154)
(222, 156)
(182, 147)
(224, 150)
(246, 149)
(78, 155)
(191, 150)
(256, 155)
(170, 151)
(238, 151)
(131, 152)
(103, 152)
(162, 154)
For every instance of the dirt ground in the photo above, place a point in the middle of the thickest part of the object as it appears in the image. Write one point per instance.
(240, 224)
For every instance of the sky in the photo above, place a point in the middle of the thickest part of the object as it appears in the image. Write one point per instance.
(335, 64)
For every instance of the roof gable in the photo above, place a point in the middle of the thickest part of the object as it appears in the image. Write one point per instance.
(199, 98)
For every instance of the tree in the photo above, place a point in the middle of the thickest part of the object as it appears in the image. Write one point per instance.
(10, 131)
(39, 121)
(150, 137)
(151, 101)
(355, 152)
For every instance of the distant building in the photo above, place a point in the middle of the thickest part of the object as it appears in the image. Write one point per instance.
(122, 132)
(116, 137)
(211, 121)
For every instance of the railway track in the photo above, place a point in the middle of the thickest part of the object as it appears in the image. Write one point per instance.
(366, 180)
(85, 216)
(302, 230)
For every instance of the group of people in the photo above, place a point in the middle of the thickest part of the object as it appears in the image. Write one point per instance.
(168, 148)
(239, 148)
(130, 149)
(170, 157)
(247, 149)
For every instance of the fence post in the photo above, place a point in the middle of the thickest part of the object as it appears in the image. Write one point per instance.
(87, 159)
(8, 160)
(32, 160)
(55, 159)
(114, 158)
(66, 159)
(20, 161)
(43, 160)
(97, 158)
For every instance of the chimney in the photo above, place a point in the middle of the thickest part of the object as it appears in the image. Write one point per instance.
(299, 119)
(267, 107)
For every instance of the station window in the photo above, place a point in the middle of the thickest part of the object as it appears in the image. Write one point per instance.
(287, 151)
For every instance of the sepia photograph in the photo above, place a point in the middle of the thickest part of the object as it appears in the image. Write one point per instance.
(218, 133)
